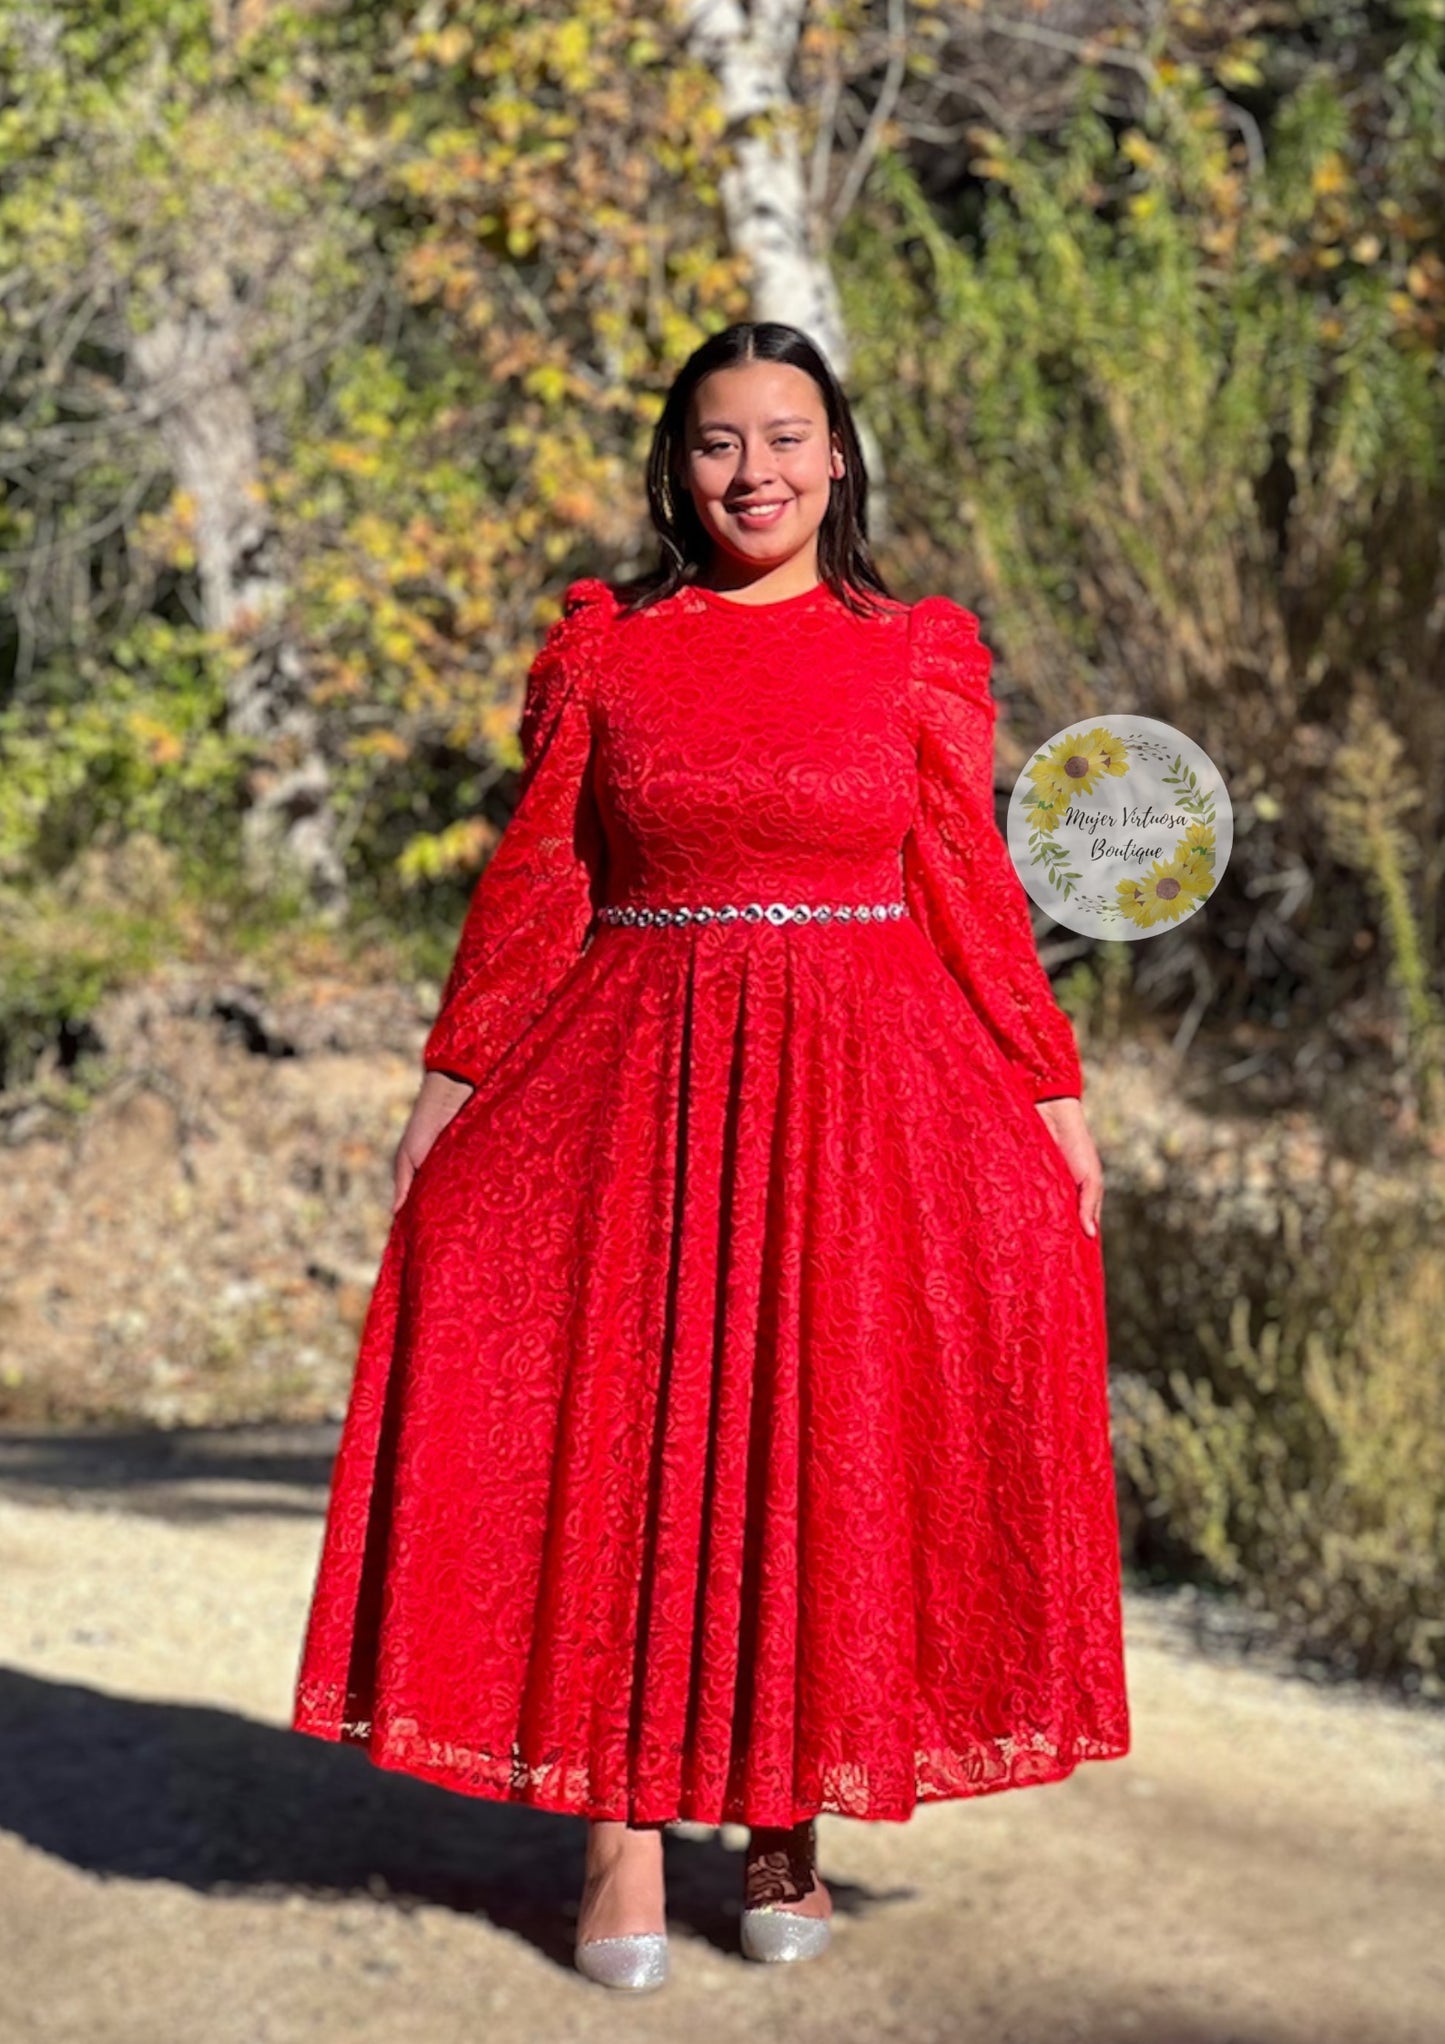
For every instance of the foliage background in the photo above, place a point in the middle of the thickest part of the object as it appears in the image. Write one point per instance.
(332, 338)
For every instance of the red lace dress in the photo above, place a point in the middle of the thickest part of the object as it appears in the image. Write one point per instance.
(729, 1438)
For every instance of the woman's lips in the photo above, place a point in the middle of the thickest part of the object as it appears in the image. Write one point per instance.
(761, 514)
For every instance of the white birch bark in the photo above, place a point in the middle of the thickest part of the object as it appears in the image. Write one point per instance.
(764, 193)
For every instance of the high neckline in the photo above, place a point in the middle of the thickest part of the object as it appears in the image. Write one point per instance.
(721, 602)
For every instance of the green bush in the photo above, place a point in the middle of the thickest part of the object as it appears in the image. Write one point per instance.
(1294, 1450)
(136, 744)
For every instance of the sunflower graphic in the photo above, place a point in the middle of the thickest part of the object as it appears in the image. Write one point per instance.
(1045, 804)
(1171, 889)
(1070, 767)
(1196, 870)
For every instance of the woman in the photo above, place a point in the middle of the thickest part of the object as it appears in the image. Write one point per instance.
(729, 1438)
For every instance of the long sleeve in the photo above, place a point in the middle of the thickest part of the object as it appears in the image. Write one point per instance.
(959, 879)
(533, 905)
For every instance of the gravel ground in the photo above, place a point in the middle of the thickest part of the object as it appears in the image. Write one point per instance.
(177, 1867)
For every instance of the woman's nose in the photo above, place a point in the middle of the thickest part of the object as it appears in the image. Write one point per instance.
(754, 464)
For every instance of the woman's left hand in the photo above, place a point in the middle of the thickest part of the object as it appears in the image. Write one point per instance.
(1067, 1126)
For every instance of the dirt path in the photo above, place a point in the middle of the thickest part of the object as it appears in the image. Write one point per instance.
(1267, 1864)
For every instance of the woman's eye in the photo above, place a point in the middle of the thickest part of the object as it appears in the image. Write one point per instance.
(723, 446)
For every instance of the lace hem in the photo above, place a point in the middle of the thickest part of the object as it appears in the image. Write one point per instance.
(1009, 1761)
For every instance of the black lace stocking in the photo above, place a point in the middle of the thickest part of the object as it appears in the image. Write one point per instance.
(781, 1865)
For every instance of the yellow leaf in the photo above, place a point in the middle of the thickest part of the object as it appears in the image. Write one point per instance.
(381, 745)
(449, 45)
(158, 740)
(1239, 70)
(549, 381)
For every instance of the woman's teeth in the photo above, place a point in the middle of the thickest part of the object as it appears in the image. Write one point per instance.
(763, 514)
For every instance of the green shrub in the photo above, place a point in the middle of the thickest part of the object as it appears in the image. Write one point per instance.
(1294, 1450)
(136, 744)
(69, 942)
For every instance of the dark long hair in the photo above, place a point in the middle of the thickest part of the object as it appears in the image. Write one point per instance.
(845, 562)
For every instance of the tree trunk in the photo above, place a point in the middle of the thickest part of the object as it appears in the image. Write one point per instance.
(764, 193)
(190, 370)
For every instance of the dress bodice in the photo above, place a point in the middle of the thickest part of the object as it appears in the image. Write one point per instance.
(705, 749)
(748, 751)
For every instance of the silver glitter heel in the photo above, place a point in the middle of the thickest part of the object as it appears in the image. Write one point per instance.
(775, 1935)
(635, 1963)
(771, 1931)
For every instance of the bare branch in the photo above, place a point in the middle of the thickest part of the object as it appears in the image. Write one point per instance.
(878, 119)
(1090, 49)
(827, 115)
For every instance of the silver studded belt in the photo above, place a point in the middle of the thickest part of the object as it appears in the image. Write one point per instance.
(756, 912)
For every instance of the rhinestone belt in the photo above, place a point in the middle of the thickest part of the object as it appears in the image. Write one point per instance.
(757, 912)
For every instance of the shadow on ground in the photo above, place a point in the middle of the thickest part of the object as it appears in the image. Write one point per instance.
(219, 1803)
(185, 1474)
(145, 1791)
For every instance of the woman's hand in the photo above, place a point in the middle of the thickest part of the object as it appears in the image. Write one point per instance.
(1067, 1126)
(439, 1099)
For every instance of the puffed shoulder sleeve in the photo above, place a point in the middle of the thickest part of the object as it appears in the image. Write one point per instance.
(959, 879)
(533, 905)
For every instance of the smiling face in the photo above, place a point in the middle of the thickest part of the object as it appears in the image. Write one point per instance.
(758, 463)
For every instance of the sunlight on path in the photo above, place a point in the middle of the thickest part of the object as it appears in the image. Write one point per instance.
(178, 1867)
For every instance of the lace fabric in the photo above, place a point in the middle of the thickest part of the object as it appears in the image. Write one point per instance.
(729, 1434)
(780, 1866)
(960, 880)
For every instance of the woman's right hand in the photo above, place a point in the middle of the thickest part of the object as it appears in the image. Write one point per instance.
(438, 1101)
